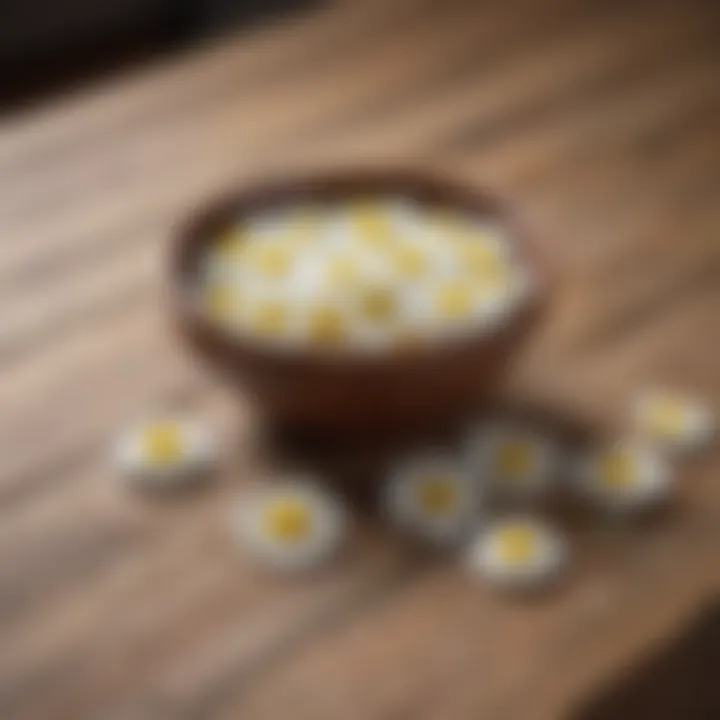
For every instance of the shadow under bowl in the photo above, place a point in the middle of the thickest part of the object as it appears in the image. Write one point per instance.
(393, 393)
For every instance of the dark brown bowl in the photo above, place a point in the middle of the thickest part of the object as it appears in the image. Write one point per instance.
(356, 392)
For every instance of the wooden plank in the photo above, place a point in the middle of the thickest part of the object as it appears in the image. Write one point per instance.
(232, 622)
(124, 149)
(525, 81)
(588, 318)
(610, 124)
(31, 136)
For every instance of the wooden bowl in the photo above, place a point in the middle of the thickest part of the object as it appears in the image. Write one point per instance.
(354, 392)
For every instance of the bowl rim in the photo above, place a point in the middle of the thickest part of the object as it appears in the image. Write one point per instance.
(203, 224)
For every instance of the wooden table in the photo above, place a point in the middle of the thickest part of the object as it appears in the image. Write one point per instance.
(601, 119)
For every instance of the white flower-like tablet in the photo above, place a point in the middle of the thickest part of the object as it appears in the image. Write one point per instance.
(443, 308)
(165, 452)
(434, 497)
(513, 461)
(625, 475)
(408, 261)
(267, 316)
(292, 524)
(325, 324)
(371, 222)
(269, 261)
(518, 553)
(673, 421)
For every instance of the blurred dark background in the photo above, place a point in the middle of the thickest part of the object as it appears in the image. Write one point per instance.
(47, 44)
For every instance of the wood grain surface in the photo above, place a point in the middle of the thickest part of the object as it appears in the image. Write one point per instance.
(600, 119)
